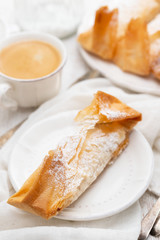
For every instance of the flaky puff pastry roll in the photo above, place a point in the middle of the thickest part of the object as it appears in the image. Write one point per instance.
(102, 37)
(133, 49)
(66, 172)
(130, 50)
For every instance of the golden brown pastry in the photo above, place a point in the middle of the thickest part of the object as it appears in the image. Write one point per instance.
(66, 172)
(133, 9)
(124, 33)
(132, 50)
(101, 39)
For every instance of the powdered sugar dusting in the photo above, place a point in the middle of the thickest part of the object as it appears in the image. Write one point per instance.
(83, 157)
(113, 114)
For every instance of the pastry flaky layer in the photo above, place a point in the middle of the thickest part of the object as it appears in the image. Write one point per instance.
(100, 135)
(127, 33)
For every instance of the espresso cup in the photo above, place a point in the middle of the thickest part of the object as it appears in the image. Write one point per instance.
(31, 92)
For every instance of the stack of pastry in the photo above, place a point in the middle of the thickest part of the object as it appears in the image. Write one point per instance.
(127, 33)
(103, 130)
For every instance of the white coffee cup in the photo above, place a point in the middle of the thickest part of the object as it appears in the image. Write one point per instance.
(31, 92)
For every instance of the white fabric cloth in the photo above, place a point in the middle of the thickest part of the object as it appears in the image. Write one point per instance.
(16, 224)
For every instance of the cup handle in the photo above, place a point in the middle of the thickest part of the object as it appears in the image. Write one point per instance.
(6, 99)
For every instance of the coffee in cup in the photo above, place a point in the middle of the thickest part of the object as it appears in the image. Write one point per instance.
(29, 59)
(29, 90)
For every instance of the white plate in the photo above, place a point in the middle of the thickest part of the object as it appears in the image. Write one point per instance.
(114, 73)
(117, 188)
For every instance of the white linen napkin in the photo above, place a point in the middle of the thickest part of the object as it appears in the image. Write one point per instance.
(16, 224)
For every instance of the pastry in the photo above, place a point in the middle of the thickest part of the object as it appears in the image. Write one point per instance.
(133, 9)
(132, 49)
(127, 37)
(105, 27)
(101, 134)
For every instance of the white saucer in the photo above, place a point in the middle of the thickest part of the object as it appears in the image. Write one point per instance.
(117, 188)
(114, 73)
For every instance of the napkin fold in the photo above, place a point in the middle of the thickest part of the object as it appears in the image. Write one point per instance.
(16, 224)
(6, 100)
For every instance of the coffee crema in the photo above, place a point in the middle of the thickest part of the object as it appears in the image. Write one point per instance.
(29, 59)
